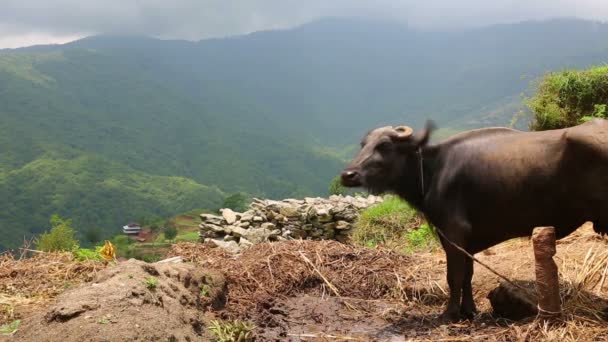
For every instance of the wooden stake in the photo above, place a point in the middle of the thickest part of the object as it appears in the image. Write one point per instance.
(547, 280)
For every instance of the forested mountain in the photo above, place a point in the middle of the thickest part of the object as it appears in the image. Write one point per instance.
(108, 129)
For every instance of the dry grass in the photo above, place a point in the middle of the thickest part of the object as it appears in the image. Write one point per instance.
(320, 267)
(411, 287)
(27, 283)
(416, 285)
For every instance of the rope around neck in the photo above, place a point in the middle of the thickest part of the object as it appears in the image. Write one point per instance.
(420, 160)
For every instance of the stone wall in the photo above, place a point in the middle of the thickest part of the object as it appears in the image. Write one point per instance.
(268, 220)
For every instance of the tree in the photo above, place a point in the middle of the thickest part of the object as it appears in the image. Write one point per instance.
(237, 202)
(170, 232)
(60, 238)
(336, 187)
(121, 243)
(92, 235)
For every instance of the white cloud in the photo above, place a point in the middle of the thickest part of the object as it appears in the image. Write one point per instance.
(196, 19)
(32, 38)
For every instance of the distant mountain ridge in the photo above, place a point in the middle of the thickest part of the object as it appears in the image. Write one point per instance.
(272, 113)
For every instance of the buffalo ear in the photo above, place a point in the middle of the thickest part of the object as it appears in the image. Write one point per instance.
(422, 137)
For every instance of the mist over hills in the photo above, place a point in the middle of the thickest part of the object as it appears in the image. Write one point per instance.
(108, 129)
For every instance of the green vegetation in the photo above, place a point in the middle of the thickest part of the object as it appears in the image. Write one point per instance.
(122, 244)
(187, 237)
(238, 202)
(336, 187)
(85, 254)
(394, 224)
(9, 328)
(107, 130)
(106, 319)
(570, 97)
(205, 288)
(423, 237)
(60, 238)
(92, 191)
(151, 283)
(170, 232)
(98, 137)
(232, 331)
(92, 235)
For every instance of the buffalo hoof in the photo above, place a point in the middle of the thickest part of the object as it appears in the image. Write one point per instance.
(449, 317)
(468, 312)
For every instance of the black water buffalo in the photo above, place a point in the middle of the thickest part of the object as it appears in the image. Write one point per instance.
(486, 186)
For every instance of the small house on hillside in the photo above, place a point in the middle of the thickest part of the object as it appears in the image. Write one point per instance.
(131, 228)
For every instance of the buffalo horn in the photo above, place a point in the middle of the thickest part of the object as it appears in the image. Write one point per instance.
(403, 132)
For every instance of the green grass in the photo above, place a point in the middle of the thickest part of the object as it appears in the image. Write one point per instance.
(85, 254)
(205, 289)
(187, 236)
(9, 328)
(421, 238)
(151, 283)
(229, 331)
(393, 224)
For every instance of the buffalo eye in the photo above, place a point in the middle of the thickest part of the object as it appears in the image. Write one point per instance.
(384, 146)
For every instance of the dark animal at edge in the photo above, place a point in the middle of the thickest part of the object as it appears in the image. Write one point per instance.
(486, 186)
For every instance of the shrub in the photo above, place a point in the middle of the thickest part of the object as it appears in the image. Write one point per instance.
(567, 98)
(122, 244)
(170, 232)
(392, 223)
(60, 238)
(336, 187)
(84, 254)
(238, 202)
(92, 235)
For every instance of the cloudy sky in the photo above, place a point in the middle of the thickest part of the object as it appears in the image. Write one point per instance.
(28, 22)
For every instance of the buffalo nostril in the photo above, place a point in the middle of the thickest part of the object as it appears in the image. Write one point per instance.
(349, 175)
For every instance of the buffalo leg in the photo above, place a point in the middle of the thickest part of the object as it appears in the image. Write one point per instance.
(467, 307)
(455, 277)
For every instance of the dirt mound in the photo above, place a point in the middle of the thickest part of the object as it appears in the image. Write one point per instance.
(28, 283)
(52, 272)
(132, 301)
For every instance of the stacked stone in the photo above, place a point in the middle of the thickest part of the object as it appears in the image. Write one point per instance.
(269, 220)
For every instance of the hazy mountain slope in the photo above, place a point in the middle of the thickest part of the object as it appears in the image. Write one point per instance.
(270, 113)
(96, 193)
(130, 128)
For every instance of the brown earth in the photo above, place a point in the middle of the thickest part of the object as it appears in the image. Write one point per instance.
(27, 283)
(325, 290)
(133, 301)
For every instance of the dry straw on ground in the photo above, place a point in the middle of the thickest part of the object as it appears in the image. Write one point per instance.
(416, 281)
(320, 267)
(27, 283)
(403, 293)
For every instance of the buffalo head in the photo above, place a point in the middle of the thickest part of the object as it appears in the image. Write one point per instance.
(380, 164)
